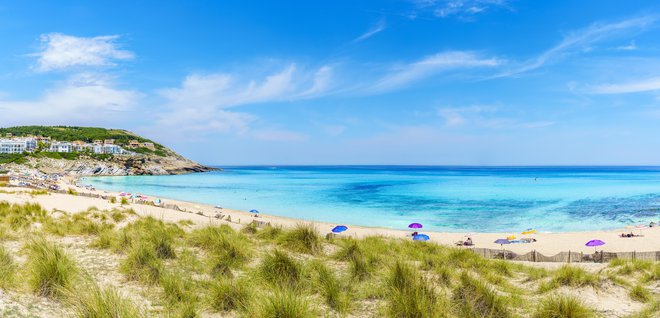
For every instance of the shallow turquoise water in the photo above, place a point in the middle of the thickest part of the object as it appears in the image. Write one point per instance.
(451, 199)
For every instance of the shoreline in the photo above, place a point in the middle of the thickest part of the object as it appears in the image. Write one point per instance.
(200, 214)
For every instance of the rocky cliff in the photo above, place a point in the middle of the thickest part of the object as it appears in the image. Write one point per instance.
(156, 160)
(116, 166)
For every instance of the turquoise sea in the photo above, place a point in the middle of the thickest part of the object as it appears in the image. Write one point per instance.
(452, 199)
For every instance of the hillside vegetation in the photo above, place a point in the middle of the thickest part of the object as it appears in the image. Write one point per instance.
(159, 160)
(73, 133)
(117, 264)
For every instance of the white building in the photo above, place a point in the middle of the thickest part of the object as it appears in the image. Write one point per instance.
(58, 146)
(112, 149)
(11, 146)
(29, 144)
(96, 148)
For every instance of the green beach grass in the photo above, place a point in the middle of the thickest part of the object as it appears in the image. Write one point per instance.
(162, 269)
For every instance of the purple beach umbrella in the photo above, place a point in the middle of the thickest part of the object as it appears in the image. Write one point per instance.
(415, 226)
(594, 243)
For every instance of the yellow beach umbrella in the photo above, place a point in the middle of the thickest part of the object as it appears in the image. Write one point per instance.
(512, 237)
(529, 231)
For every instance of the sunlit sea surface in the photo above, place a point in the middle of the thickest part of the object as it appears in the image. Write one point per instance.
(452, 199)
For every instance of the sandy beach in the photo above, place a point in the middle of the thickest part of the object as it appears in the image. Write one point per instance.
(547, 244)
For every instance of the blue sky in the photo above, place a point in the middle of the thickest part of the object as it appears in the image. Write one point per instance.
(461, 82)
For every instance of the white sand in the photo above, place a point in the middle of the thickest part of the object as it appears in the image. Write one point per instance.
(547, 243)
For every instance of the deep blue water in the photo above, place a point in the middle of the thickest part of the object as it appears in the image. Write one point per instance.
(483, 199)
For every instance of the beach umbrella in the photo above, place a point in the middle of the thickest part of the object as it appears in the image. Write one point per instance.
(415, 226)
(254, 211)
(595, 243)
(502, 242)
(511, 237)
(640, 227)
(529, 231)
(421, 237)
(339, 229)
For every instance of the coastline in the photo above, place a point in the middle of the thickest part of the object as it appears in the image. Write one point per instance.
(200, 214)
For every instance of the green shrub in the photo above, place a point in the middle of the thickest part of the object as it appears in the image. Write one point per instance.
(50, 270)
(94, 302)
(113, 199)
(562, 307)
(155, 234)
(270, 232)
(7, 269)
(177, 288)
(250, 229)
(640, 294)
(284, 304)
(411, 295)
(227, 295)
(570, 276)
(280, 269)
(142, 264)
(303, 238)
(20, 216)
(473, 298)
(123, 201)
(336, 295)
(227, 249)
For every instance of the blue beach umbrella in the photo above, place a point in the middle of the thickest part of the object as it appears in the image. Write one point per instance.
(502, 241)
(339, 229)
(254, 211)
(421, 237)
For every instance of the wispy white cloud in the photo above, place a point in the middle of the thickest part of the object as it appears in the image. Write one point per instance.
(582, 40)
(462, 9)
(60, 51)
(377, 28)
(645, 85)
(485, 116)
(82, 99)
(630, 47)
(278, 135)
(442, 62)
(204, 103)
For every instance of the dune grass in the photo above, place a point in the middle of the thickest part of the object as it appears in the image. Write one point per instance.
(8, 269)
(269, 233)
(280, 269)
(334, 292)
(19, 216)
(473, 298)
(271, 272)
(640, 294)
(227, 249)
(303, 238)
(562, 306)
(178, 288)
(570, 276)
(227, 295)
(51, 271)
(95, 302)
(283, 304)
(411, 295)
(142, 264)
